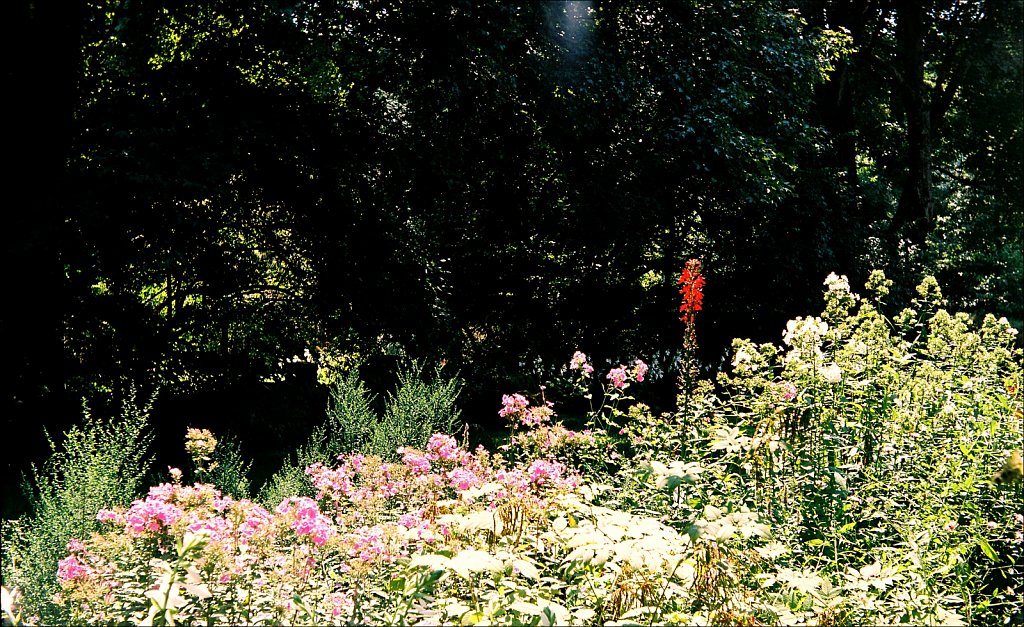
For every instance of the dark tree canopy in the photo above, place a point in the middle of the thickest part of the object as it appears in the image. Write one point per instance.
(212, 187)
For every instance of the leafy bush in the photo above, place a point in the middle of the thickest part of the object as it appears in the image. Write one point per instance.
(99, 464)
(419, 407)
(230, 473)
(291, 479)
(349, 417)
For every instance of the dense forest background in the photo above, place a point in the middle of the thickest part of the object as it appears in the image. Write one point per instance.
(203, 190)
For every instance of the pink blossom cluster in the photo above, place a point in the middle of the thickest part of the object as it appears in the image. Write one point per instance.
(546, 472)
(535, 416)
(416, 461)
(443, 447)
(358, 481)
(462, 479)
(514, 480)
(517, 409)
(363, 528)
(620, 377)
(171, 508)
(579, 362)
(639, 370)
(306, 520)
(552, 439)
(341, 603)
(370, 544)
(513, 405)
(71, 567)
(786, 390)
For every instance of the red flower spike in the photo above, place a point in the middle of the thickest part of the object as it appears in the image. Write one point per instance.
(693, 297)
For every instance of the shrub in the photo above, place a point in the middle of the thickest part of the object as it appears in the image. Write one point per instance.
(230, 473)
(100, 463)
(420, 406)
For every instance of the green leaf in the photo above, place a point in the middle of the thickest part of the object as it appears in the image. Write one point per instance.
(987, 549)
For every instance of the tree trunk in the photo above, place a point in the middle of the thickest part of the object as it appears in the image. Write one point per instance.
(916, 206)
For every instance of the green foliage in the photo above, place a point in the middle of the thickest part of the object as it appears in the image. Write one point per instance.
(290, 479)
(350, 419)
(230, 473)
(869, 445)
(100, 463)
(420, 406)
(846, 477)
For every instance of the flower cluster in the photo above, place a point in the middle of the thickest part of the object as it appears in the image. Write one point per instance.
(546, 472)
(72, 567)
(579, 362)
(619, 377)
(516, 408)
(304, 517)
(171, 509)
(786, 390)
(692, 284)
(512, 405)
(200, 442)
(278, 551)
(200, 445)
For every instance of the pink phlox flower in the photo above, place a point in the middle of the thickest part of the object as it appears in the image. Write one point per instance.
(110, 516)
(515, 480)
(545, 472)
(256, 520)
(639, 371)
(356, 461)
(538, 415)
(413, 520)
(618, 376)
(786, 390)
(162, 491)
(462, 478)
(417, 462)
(443, 447)
(308, 520)
(512, 405)
(542, 470)
(330, 482)
(340, 603)
(579, 362)
(151, 515)
(369, 544)
(71, 568)
(218, 527)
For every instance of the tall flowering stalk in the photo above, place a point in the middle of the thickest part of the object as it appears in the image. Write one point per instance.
(691, 288)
